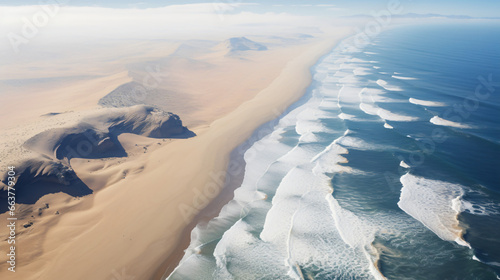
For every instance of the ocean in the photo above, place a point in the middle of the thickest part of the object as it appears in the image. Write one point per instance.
(387, 168)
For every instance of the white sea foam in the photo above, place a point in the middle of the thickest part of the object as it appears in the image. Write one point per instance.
(484, 209)
(488, 263)
(388, 126)
(404, 164)
(390, 116)
(403, 78)
(193, 267)
(357, 60)
(440, 121)
(298, 218)
(327, 161)
(427, 103)
(360, 144)
(306, 126)
(307, 119)
(349, 79)
(308, 137)
(373, 95)
(340, 60)
(298, 213)
(368, 106)
(345, 116)
(354, 231)
(329, 103)
(388, 86)
(362, 71)
(313, 113)
(349, 95)
(380, 98)
(434, 204)
(370, 109)
(245, 254)
(374, 91)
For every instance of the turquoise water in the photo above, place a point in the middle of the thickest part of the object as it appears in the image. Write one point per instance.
(387, 168)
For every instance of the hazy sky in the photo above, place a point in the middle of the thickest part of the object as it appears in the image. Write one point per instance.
(481, 8)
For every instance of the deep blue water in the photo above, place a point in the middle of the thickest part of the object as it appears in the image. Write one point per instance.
(388, 167)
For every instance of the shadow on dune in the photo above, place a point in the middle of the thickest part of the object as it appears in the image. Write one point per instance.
(92, 145)
(97, 137)
(185, 135)
(89, 144)
(31, 187)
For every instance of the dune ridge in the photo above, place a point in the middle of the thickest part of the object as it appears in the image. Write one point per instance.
(49, 169)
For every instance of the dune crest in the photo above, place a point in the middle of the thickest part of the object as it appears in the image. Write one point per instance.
(237, 45)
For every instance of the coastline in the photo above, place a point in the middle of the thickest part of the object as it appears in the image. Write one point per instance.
(233, 181)
(212, 210)
(249, 140)
(142, 215)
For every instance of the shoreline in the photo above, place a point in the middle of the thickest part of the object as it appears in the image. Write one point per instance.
(230, 185)
(211, 211)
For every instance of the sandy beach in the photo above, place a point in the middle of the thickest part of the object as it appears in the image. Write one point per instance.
(138, 219)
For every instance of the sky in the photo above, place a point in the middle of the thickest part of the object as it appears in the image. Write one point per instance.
(478, 8)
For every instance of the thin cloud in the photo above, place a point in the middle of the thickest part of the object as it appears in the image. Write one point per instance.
(189, 20)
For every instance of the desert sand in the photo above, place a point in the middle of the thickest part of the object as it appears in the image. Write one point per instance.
(142, 206)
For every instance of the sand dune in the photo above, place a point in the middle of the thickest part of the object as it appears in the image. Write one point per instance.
(239, 44)
(94, 137)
